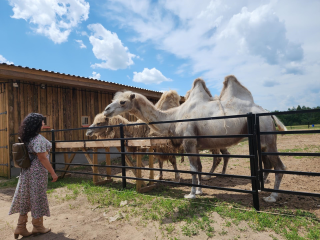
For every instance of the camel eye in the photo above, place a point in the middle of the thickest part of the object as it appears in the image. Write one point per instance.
(122, 102)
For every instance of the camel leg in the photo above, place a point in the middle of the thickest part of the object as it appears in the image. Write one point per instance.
(225, 160)
(267, 165)
(173, 161)
(216, 161)
(199, 190)
(182, 157)
(159, 176)
(278, 165)
(190, 147)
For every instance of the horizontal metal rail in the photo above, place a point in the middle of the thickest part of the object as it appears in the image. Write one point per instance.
(4, 164)
(292, 172)
(291, 192)
(288, 112)
(3, 113)
(151, 123)
(156, 169)
(291, 154)
(170, 154)
(290, 132)
(4, 147)
(3, 130)
(161, 181)
(177, 137)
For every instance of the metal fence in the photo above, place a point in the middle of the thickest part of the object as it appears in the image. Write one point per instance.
(255, 155)
(260, 153)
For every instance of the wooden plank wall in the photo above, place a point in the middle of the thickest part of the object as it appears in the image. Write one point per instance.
(4, 156)
(62, 106)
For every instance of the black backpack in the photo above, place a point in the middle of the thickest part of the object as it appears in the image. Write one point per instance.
(20, 155)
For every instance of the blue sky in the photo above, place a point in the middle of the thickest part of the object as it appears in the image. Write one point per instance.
(272, 47)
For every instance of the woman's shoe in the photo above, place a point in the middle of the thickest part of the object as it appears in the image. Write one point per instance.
(22, 227)
(38, 227)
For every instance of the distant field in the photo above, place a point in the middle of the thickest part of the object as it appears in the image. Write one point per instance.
(316, 126)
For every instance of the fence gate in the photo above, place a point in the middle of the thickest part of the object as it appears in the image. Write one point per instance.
(4, 141)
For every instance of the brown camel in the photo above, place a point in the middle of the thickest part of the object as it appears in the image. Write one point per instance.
(168, 100)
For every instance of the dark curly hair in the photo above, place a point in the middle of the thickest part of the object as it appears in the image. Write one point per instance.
(30, 127)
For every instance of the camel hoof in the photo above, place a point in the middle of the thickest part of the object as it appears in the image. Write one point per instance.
(158, 177)
(199, 192)
(190, 196)
(266, 181)
(270, 199)
(206, 178)
(177, 180)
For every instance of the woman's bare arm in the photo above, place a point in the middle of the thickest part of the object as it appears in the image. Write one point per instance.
(45, 162)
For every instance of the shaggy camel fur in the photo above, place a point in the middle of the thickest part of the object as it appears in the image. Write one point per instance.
(168, 100)
(234, 99)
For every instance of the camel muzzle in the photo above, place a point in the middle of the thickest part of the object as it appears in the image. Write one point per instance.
(106, 112)
(89, 133)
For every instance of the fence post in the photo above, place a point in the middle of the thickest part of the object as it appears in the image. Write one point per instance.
(53, 150)
(257, 127)
(123, 157)
(253, 169)
(255, 149)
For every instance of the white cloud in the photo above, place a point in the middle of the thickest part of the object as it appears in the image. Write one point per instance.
(95, 75)
(271, 46)
(3, 60)
(81, 44)
(109, 48)
(160, 58)
(262, 34)
(54, 19)
(150, 76)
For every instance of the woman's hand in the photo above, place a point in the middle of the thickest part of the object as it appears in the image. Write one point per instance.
(54, 177)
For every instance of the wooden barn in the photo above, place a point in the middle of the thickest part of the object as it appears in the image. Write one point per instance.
(67, 101)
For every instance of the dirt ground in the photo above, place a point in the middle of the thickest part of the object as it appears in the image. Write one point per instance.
(77, 219)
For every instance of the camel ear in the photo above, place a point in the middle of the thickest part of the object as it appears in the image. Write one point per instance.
(132, 96)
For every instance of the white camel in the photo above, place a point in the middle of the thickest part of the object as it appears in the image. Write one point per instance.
(234, 99)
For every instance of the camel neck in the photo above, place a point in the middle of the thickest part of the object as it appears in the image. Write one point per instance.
(146, 111)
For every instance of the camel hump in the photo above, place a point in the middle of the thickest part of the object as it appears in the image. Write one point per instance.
(204, 85)
(169, 99)
(231, 82)
(229, 78)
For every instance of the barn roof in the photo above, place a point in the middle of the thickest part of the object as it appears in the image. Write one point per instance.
(11, 71)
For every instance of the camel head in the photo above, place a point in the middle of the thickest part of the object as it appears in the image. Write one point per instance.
(99, 121)
(122, 102)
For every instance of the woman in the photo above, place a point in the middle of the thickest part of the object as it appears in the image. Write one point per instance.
(31, 191)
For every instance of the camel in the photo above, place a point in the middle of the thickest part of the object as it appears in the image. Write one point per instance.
(234, 99)
(217, 160)
(168, 100)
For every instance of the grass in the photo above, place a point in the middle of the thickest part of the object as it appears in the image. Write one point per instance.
(177, 215)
